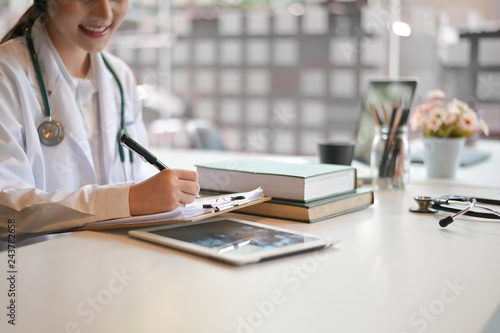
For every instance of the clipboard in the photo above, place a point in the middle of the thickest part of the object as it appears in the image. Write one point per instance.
(200, 209)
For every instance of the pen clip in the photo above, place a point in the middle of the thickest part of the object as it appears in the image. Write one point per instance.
(233, 202)
(230, 204)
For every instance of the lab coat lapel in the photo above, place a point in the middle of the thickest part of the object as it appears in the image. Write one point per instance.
(64, 108)
(109, 113)
(67, 114)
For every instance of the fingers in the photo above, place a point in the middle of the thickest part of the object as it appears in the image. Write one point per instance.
(185, 198)
(188, 181)
(190, 188)
(186, 174)
(163, 192)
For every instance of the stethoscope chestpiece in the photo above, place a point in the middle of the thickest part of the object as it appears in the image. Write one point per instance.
(51, 132)
(424, 205)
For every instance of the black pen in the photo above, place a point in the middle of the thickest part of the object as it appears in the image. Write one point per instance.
(142, 152)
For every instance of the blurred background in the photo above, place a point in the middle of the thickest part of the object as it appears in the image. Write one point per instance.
(280, 76)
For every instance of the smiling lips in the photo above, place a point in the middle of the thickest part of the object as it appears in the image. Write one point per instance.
(94, 31)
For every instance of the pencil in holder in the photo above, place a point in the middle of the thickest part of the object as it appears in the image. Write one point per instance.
(390, 158)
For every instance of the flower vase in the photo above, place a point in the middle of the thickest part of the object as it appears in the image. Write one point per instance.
(442, 156)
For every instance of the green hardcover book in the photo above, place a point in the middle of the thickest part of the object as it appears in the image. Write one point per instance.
(313, 211)
(284, 180)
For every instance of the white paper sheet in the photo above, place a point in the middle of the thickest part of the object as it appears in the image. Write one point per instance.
(191, 211)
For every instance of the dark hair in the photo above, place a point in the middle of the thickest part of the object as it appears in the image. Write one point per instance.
(29, 17)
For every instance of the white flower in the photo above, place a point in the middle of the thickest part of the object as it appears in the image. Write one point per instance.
(468, 121)
(435, 118)
(450, 118)
(458, 107)
(435, 94)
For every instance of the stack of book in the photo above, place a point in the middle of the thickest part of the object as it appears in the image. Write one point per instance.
(315, 210)
(306, 192)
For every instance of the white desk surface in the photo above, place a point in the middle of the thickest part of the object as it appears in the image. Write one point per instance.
(393, 271)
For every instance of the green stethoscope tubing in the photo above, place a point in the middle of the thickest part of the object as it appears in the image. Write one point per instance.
(123, 125)
(50, 132)
(48, 111)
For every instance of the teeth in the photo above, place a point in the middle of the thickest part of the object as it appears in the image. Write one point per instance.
(94, 29)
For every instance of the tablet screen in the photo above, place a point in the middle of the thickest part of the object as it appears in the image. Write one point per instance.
(228, 234)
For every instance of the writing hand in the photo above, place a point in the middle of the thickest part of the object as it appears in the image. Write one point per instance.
(163, 192)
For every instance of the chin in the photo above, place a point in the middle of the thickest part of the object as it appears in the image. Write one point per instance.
(96, 47)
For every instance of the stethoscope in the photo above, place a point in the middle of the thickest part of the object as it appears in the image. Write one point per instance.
(432, 205)
(50, 131)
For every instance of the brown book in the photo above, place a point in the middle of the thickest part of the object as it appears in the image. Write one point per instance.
(313, 211)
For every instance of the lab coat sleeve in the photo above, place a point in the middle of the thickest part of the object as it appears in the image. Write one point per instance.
(36, 211)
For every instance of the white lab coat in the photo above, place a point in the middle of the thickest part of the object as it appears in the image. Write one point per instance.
(56, 188)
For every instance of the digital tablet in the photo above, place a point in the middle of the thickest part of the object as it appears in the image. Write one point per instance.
(230, 240)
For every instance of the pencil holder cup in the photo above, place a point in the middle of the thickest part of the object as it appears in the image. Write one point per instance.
(390, 158)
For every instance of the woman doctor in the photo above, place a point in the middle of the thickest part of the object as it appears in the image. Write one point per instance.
(77, 177)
